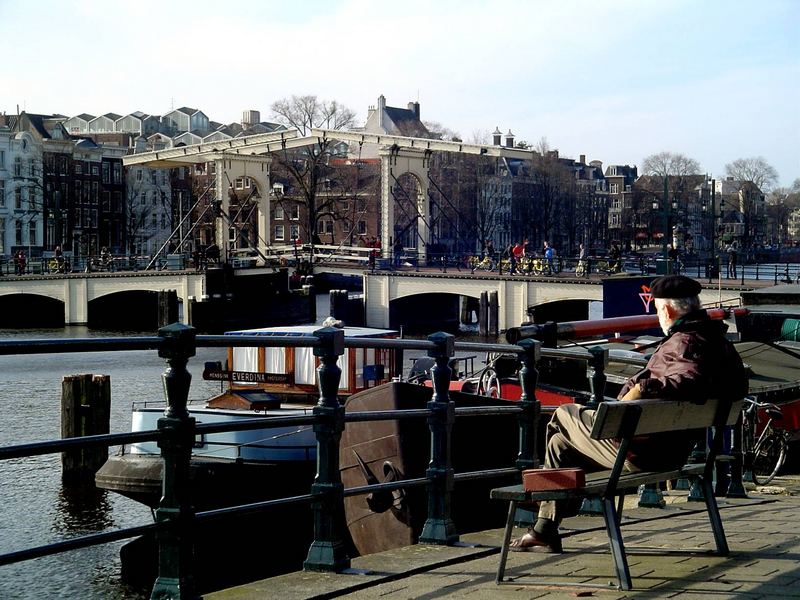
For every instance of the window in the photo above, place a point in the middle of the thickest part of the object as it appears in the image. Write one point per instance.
(95, 170)
(106, 201)
(294, 232)
(78, 168)
(2, 236)
(2, 201)
(17, 166)
(18, 198)
(239, 183)
(163, 220)
(279, 214)
(362, 227)
(295, 214)
(615, 203)
(327, 226)
(361, 205)
(154, 221)
(31, 168)
(613, 188)
(139, 175)
(117, 173)
(2, 159)
(94, 217)
(106, 172)
(279, 236)
(18, 233)
(95, 192)
(78, 190)
(32, 233)
(87, 218)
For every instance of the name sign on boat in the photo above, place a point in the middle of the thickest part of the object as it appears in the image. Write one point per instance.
(244, 376)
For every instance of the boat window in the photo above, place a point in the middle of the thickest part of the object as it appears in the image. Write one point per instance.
(305, 366)
(275, 360)
(344, 365)
(245, 359)
(360, 362)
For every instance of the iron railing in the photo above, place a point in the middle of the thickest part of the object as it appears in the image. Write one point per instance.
(175, 518)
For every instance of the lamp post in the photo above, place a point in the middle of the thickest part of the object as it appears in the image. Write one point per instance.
(665, 212)
(713, 264)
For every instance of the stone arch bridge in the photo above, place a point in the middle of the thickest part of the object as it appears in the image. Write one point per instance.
(76, 292)
(515, 295)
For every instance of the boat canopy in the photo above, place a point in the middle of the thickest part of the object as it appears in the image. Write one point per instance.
(308, 330)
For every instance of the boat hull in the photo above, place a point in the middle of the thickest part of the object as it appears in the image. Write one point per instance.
(379, 451)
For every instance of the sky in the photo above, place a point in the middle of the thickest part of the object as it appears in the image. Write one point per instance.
(615, 80)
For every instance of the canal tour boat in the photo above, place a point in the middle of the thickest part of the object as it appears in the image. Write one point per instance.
(262, 382)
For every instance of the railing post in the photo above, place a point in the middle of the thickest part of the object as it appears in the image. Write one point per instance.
(530, 405)
(439, 527)
(736, 486)
(327, 551)
(598, 361)
(175, 542)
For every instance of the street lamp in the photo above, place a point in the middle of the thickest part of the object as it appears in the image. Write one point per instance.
(664, 207)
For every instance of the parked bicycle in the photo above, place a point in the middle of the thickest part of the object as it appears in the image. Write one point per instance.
(481, 264)
(765, 450)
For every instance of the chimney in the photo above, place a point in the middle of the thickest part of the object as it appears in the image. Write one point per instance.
(414, 107)
(496, 135)
(250, 118)
(583, 159)
(509, 139)
(381, 109)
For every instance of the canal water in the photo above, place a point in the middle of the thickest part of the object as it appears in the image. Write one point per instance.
(35, 508)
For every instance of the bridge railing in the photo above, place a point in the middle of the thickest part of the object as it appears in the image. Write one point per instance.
(176, 520)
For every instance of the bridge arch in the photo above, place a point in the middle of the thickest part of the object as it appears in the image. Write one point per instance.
(22, 311)
(134, 310)
(397, 162)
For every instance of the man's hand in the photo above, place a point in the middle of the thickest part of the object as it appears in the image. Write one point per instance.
(634, 393)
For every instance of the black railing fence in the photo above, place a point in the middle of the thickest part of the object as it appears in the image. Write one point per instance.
(175, 518)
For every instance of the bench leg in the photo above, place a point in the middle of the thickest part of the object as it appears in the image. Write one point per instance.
(501, 568)
(615, 542)
(713, 516)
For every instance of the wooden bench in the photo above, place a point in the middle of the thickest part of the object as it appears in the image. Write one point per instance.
(622, 421)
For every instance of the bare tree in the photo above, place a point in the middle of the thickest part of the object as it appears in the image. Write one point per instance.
(441, 132)
(755, 169)
(666, 164)
(307, 168)
(480, 136)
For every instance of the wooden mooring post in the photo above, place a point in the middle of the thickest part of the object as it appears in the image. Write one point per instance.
(85, 410)
(167, 307)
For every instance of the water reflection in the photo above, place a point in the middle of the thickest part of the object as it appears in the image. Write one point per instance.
(82, 509)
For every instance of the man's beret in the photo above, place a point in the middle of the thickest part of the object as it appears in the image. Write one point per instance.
(675, 286)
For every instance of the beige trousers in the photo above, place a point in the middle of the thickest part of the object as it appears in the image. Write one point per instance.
(569, 444)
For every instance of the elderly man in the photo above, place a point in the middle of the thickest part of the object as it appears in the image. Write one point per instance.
(693, 362)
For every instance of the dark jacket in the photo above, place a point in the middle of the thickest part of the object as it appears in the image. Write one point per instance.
(694, 362)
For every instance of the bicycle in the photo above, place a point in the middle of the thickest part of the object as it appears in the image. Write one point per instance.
(766, 453)
(481, 264)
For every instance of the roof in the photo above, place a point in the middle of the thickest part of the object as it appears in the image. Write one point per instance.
(113, 116)
(407, 122)
(84, 117)
(308, 330)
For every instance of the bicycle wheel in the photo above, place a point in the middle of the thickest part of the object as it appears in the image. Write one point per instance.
(768, 457)
(489, 383)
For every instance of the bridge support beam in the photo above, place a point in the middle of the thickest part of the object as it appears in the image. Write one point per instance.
(228, 170)
(394, 163)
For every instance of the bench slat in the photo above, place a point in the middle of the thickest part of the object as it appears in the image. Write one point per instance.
(661, 416)
(596, 484)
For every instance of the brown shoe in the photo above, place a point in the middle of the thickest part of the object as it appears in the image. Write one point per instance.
(534, 542)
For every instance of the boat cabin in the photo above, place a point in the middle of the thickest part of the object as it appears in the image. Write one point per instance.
(291, 372)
